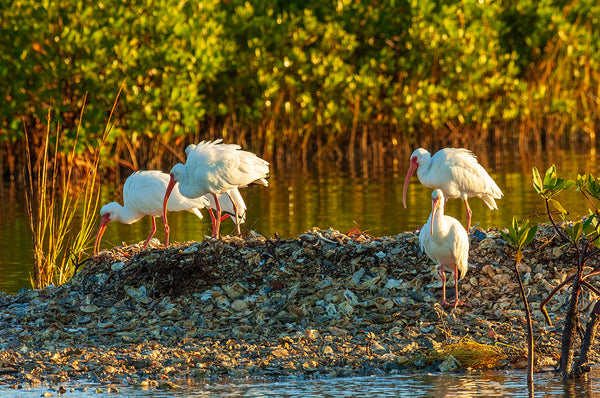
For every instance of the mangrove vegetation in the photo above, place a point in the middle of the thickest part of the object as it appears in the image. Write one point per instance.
(296, 80)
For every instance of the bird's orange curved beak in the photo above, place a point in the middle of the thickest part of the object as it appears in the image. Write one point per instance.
(435, 205)
(103, 223)
(411, 170)
(170, 187)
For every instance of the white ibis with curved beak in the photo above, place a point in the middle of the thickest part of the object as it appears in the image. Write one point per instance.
(143, 195)
(457, 173)
(215, 168)
(446, 242)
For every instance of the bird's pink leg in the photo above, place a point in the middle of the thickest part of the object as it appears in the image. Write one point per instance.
(457, 302)
(152, 231)
(217, 217)
(237, 218)
(469, 212)
(167, 229)
(444, 302)
(212, 219)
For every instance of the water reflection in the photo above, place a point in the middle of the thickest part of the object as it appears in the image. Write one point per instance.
(16, 253)
(486, 384)
(335, 196)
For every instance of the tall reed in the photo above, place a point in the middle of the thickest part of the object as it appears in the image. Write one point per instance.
(54, 198)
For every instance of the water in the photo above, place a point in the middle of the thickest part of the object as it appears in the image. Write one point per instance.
(330, 197)
(487, 384)
(295, 201)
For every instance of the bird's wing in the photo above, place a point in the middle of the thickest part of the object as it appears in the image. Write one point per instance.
(196, 212)
(225, 166)
(426, 241)
(189, 148)
(251, 169)
(462, 173)
(145, 190)
(208, 162)
(460, 246)
(475, 180)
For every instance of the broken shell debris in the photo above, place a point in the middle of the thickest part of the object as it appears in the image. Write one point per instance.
(324, 304)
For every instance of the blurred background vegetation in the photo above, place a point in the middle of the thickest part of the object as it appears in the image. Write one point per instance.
(296, 80)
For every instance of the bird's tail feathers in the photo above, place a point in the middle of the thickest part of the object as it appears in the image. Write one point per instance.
(489, 201)
(463, 272)
(262, 181)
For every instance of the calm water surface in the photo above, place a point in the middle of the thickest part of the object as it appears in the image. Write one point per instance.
(332, 196)
(492, 384)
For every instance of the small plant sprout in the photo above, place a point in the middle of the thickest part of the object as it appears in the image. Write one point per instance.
(519, 236)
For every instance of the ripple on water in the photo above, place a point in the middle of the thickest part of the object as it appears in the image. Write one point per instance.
(489, 384)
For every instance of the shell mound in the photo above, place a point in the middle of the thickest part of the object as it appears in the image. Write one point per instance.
(323, 304)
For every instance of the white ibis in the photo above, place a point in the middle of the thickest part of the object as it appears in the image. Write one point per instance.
(215, 168)
(446, 242)
(143, 195)
(457, 173)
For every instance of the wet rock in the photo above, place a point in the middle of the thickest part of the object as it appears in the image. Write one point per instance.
(239, 305)
(449, 364)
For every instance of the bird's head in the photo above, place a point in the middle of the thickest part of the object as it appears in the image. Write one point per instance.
(178, 172)
(415, 160)
(437, 194)
(108, 213)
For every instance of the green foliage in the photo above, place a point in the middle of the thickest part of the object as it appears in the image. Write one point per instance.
(551, 186)
(519, 236)
(583, 234)
(290, 72)
(588, 185)
(575, 231)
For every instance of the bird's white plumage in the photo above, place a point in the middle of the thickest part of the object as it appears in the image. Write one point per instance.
(448, 244)
(444, 239)
(214, 167)
(143, 195)
(458, 174)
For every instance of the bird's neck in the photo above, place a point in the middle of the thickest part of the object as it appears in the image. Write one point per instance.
(439, 221)
(423, 169)
(187, 187)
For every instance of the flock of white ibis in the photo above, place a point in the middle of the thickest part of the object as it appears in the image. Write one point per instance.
(214, 171)
(210, 178)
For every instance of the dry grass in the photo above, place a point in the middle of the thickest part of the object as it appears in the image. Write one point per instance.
(474, 355)
(54, 198)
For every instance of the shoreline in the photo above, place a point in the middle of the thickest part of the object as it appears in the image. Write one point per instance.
(323, 304)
